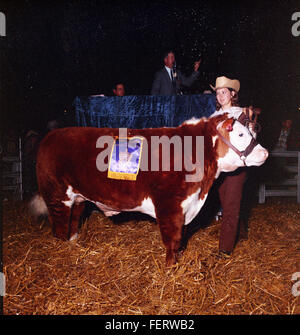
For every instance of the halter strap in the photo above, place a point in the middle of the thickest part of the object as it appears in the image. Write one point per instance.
(242, 154)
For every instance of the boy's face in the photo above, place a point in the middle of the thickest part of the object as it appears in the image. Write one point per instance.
(287, 124)
(119, 91)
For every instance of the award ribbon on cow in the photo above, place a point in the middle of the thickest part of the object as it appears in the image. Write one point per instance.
(125, 158)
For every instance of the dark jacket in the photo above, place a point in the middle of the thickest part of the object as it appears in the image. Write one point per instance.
(162, 84)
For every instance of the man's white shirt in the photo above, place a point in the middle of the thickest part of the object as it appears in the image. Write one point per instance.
(169, 71)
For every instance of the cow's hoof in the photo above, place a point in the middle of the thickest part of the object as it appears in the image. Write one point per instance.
(171, 261)
(180, 252)
(74, 237)
(223, 254)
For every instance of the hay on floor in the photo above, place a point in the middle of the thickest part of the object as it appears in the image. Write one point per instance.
(120, 268)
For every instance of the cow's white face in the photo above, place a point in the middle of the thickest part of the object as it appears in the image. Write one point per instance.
(240, 137)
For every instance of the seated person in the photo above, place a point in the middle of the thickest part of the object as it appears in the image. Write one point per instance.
(287, 139)
(119, 90)
(285, 132)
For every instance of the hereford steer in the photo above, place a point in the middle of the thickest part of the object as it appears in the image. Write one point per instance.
(68, 175)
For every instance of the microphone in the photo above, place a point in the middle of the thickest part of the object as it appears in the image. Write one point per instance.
(175, 76)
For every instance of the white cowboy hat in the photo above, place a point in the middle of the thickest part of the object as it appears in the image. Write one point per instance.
(222, 82)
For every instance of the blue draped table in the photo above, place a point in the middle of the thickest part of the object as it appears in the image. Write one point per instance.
(143, 111)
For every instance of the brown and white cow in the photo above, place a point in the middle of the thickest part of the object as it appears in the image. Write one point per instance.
(67, 176)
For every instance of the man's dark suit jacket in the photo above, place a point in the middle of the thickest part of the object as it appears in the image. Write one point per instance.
(162, 84)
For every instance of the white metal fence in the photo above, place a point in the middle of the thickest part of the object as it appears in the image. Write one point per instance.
(283, 188)
(12, 172)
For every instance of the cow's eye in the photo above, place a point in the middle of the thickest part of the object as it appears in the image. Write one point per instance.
(241, 135)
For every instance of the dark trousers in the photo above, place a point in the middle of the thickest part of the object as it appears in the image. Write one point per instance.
(230, 192)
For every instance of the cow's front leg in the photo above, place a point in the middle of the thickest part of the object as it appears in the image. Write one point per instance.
(171, 232)
(75, 217)
(59, 217)
(64, 218)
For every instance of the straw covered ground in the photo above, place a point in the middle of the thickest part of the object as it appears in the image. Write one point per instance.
(119, 268)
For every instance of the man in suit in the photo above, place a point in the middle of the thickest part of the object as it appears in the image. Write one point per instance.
(168, 80)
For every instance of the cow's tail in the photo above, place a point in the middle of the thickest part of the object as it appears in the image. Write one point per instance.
(37, 207)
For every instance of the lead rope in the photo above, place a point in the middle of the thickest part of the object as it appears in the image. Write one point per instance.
(230, 145)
